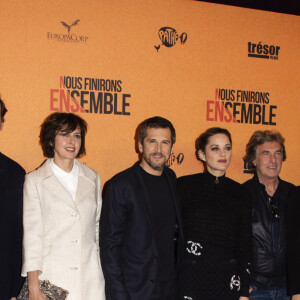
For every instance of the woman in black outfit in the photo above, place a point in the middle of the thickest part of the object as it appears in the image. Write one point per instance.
(217, 226)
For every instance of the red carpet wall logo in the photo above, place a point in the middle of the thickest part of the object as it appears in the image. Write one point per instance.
(169, 37)
(69, 26)
(248, 171)
(263, 51)
(240, 106)
(68, 38)
(175, 159)
(90, 95)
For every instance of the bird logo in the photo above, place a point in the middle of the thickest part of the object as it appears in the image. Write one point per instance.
(69, 26)
(157, 47)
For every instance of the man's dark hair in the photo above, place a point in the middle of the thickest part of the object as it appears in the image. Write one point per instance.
(65, 122)
(156, 122)
(202, 140)
(260, 137)
(3, 110)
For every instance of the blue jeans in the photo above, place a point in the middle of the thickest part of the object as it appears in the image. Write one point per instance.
(259, 293)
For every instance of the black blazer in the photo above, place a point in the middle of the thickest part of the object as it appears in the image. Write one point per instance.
(293, 242)
(11, 194)
(128, 248)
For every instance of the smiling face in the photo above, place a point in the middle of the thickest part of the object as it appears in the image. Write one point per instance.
(156, 149)
(217, 154)
(268, 160)
(66, 146)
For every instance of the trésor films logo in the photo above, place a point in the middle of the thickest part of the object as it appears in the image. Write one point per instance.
(265, 51)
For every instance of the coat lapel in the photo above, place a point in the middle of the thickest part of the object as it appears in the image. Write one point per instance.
(175, 201)
(53, 185)
(86, 183)
(3, 167)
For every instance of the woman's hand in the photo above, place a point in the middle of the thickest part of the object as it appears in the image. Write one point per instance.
(296, 297)
(13, 298)
(244, 298)
(33, 286)
(36, 294)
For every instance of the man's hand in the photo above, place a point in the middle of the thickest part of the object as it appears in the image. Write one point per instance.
(296, 297)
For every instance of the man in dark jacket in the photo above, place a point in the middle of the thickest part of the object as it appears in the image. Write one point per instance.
(293, 244)
(265, 153)
(11, 195)
(141, 234)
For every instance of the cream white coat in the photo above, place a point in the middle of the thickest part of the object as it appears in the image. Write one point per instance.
(61, 237)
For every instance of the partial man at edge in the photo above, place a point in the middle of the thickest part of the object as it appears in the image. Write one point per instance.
(293, 243)
(11, 202)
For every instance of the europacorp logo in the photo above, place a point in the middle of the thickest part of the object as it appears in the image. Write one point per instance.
(169, 37)
(69, 37)
(259, 50)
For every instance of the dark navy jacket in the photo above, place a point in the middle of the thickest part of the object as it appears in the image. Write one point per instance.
(128, 248)
(11, 229)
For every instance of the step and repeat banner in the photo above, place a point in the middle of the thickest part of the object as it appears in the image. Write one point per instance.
(116, 63)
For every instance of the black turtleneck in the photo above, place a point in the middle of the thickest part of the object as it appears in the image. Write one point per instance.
(163, 217)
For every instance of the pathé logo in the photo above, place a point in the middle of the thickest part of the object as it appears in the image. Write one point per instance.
(175, 159)
(169, 37)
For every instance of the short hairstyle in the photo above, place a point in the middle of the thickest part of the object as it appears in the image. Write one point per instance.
(66, 122)
(3, 110)
(260, 137)
(156, 122)
(202, 140)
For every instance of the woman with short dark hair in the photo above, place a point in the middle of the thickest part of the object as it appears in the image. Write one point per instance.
(62, 203)
(217, 225)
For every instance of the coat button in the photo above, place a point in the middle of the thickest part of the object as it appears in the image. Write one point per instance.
(152, 281)
(156, 258)
(193, 262)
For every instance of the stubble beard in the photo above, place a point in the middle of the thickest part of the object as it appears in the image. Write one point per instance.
(153, 165)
